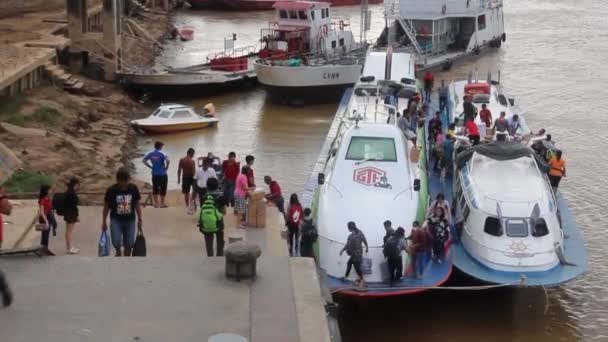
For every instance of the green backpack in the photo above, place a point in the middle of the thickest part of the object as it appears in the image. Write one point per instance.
(210, 217)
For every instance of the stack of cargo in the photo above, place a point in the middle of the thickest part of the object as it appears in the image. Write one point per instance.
(256, 211)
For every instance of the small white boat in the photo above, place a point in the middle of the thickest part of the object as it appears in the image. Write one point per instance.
(308, 57)
(443, 31)
(169, 118)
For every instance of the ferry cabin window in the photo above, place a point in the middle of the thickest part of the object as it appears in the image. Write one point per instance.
(302, 15)
(312, 15)
(341, 42)
(503, 100)
(181, 114)
(333, 44)
(481, 98)
(540, 228)
(293, 15)
(283, 14)
(322, 13)
(481, 22)
(517, 228)
(372, 148)
(164, 114)
(492, 226)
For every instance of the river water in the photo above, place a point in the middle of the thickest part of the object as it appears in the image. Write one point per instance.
(555, 62)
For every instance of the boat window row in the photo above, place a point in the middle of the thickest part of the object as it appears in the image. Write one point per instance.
(481, 22)
(372, 148)
(516, 227)
(324, 13)
(293, 14)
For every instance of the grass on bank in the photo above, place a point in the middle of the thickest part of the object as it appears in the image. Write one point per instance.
(10, 111)
(26, 181)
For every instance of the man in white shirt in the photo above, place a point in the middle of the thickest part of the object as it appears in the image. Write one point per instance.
(201, 176)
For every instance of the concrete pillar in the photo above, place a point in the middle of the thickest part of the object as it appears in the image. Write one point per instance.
(77, 18)
(112, 13)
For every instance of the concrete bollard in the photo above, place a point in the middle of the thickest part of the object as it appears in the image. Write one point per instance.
(232, 238)
(241, 258)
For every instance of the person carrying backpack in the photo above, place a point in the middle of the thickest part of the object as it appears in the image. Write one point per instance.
(392, 249)
(309, 235)
(294, 216)
(211, 218)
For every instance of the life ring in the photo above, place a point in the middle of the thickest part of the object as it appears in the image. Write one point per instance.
(325, 29)
(341, 24)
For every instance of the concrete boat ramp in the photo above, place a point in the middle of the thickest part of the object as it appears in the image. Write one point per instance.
(173, 294)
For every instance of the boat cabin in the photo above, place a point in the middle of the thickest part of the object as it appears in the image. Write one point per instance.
(440, 26)
(382, 76)
(175, 112)
(304, 28)
(488, 93)
(508, 211)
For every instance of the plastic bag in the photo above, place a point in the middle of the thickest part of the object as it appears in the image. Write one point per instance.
(139, 248)
(104, 245)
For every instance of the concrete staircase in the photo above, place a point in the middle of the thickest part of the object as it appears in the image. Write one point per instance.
(61, 78)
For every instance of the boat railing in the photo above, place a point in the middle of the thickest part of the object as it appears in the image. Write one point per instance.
(364, 111)
(243, 51)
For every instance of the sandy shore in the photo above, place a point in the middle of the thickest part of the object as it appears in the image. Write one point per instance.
(85, 135)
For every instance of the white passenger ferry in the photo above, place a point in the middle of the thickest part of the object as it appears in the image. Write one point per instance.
(443, 31)
(369, 172)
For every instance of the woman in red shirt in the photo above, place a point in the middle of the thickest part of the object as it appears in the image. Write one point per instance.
(472, 131)
(45, 214)
(231, 169)
(295, 213)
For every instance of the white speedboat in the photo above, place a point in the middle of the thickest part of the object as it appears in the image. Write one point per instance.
(307, 56)
(443, 31)
(369, 172)
(169, 118)
(512, 228)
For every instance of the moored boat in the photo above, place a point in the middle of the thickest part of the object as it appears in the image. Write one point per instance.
(441, 32)
(229, 67)
(307, 56)
(169, 118)
(267, 5)
(514, 229)
(369, 171)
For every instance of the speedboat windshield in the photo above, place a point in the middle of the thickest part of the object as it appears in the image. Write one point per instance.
(156, 112)
(372, 149)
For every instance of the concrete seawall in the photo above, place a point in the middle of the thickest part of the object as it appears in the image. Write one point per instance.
(14, 7)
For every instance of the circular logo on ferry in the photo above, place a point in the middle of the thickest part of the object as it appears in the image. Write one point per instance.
(518, 246)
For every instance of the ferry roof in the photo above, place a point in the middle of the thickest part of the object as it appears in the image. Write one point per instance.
(375, 64)
(516, 184)
(299, 5)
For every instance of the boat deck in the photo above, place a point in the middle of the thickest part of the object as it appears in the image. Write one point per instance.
(434, 274)
(574, 246)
